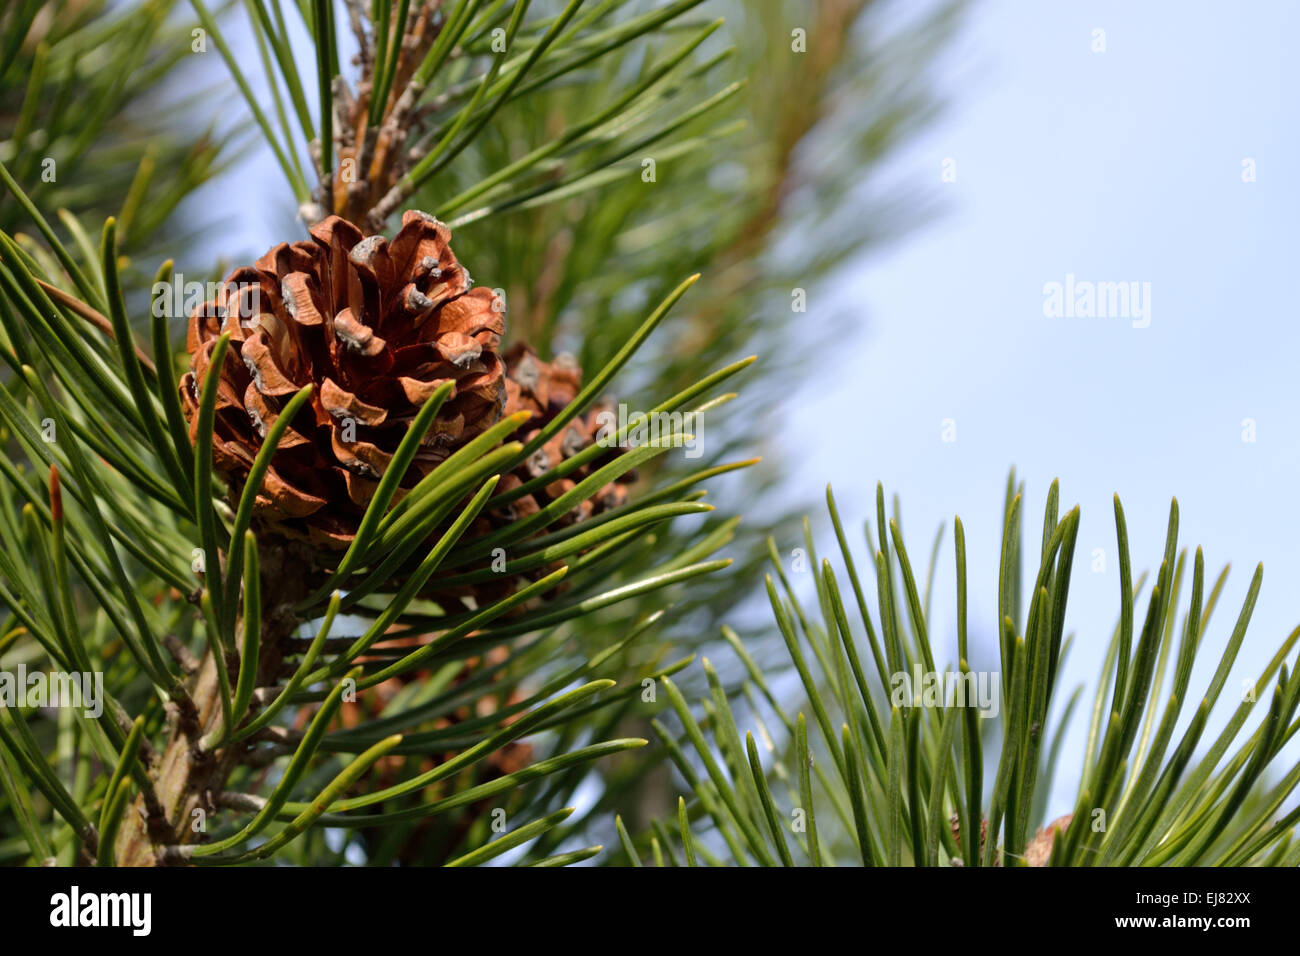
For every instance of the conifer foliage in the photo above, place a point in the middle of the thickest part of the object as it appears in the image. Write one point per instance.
(344, 489)
(886, 759)
(353, 557)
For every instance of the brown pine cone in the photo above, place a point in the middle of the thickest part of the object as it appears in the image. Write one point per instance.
(955, 823)
(1039, 850)
(373, 705)
(544, 389)
(449, 829)
(377, 327)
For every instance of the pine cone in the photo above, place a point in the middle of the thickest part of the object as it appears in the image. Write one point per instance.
(544, 389)
(954, 822)
(377, 327)
(435, 837)
(373, 705)
(1037, 853)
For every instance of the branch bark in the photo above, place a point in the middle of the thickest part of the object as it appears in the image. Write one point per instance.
(185, 776)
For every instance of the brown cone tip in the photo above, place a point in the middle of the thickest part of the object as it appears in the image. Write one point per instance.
(377, 327)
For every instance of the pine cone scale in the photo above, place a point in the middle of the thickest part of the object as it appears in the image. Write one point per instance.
(377, 328)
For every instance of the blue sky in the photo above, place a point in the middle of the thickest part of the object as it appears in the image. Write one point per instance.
(1115, 166)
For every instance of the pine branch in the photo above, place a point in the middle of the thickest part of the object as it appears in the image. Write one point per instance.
(917, 793)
